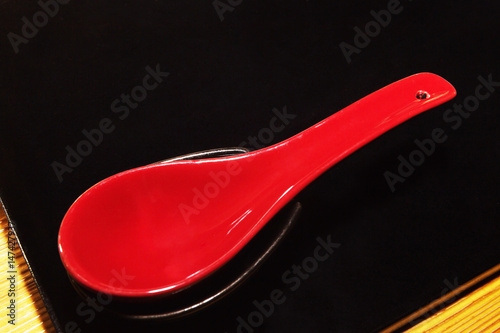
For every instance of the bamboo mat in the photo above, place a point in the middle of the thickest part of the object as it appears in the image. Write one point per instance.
(17, 287)
(474, 313)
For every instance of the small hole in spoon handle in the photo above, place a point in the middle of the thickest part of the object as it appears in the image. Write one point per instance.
(421, 94)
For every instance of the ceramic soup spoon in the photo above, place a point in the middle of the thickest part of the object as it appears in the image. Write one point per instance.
(168, 225)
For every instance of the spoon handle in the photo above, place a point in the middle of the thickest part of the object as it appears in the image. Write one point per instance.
(326, 143)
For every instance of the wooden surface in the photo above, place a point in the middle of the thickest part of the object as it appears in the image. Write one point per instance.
(478, 311)
(30, 313)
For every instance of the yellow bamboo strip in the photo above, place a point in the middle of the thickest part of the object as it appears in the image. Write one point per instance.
(478, 311)
(30, 312)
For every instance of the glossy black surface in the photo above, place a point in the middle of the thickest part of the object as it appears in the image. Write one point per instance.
(398, 250)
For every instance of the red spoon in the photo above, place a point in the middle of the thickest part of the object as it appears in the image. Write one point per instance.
(168, 225)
